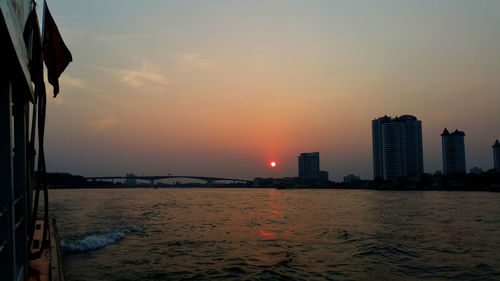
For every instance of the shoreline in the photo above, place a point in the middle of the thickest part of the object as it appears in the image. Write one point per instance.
(467, 188)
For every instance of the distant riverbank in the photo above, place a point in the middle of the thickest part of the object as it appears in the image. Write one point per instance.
(384, 188)
(487, 181)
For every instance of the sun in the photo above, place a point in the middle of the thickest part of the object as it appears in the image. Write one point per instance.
(273, 164)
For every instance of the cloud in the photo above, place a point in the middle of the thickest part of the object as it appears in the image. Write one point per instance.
(64, 81)
(145, 73)
(138, 78)
(103, 124)
(67, 80)
(187, 62)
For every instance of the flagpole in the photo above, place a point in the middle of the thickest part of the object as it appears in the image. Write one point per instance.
(43, 18)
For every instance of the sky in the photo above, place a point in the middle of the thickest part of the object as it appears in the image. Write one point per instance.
(221, 88)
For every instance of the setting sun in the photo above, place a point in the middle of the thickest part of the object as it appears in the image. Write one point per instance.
(273, 164)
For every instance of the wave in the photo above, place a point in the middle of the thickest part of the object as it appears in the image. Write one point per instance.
(97, 240)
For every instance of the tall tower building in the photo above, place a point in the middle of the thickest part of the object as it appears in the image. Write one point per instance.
(309, 167)
(453, 152)
(397, 147)
(414, 146)
(496, 156)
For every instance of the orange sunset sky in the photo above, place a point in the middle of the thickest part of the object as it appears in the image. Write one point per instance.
(220, 88)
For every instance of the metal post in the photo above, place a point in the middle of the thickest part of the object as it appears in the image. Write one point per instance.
(7, 256)
(20, 172)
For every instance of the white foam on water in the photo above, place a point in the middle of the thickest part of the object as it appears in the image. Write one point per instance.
(98, 240)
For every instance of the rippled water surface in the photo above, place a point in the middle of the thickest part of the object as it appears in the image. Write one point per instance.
(268, 234)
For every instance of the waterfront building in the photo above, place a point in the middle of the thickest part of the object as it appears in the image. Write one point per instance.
(496, 156)
(130, 179)
(351, 178)
(308, 164)
(309, 167)
(397, 147)
(453, 147)
(476, 171)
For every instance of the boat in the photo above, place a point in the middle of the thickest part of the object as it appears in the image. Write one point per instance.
(29, 242)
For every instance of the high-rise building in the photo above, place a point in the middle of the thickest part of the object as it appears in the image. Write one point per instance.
(397, 147)
(309, 167)
(496, 156)
(453, 152)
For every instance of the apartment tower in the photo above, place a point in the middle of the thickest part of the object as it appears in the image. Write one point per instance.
(397, 147)
(453, 147)
(309, 167)
(496, 156)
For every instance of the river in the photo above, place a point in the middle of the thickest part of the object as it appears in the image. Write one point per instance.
(269, 234)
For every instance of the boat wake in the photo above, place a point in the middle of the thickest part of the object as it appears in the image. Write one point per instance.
(94, 240)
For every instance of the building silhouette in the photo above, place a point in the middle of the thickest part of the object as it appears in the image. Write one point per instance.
(130, 180)
(351, 178)
(397, 147)
(453, 147)
(475, 171)
(496, 156)
(309, 167)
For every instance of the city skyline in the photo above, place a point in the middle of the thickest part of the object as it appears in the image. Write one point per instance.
(308, 162)
(153, 92)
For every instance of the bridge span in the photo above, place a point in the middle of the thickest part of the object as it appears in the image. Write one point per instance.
(152, 179)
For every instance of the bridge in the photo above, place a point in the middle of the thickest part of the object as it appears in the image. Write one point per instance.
(152, 179)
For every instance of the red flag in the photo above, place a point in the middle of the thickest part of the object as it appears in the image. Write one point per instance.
(55, 53)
